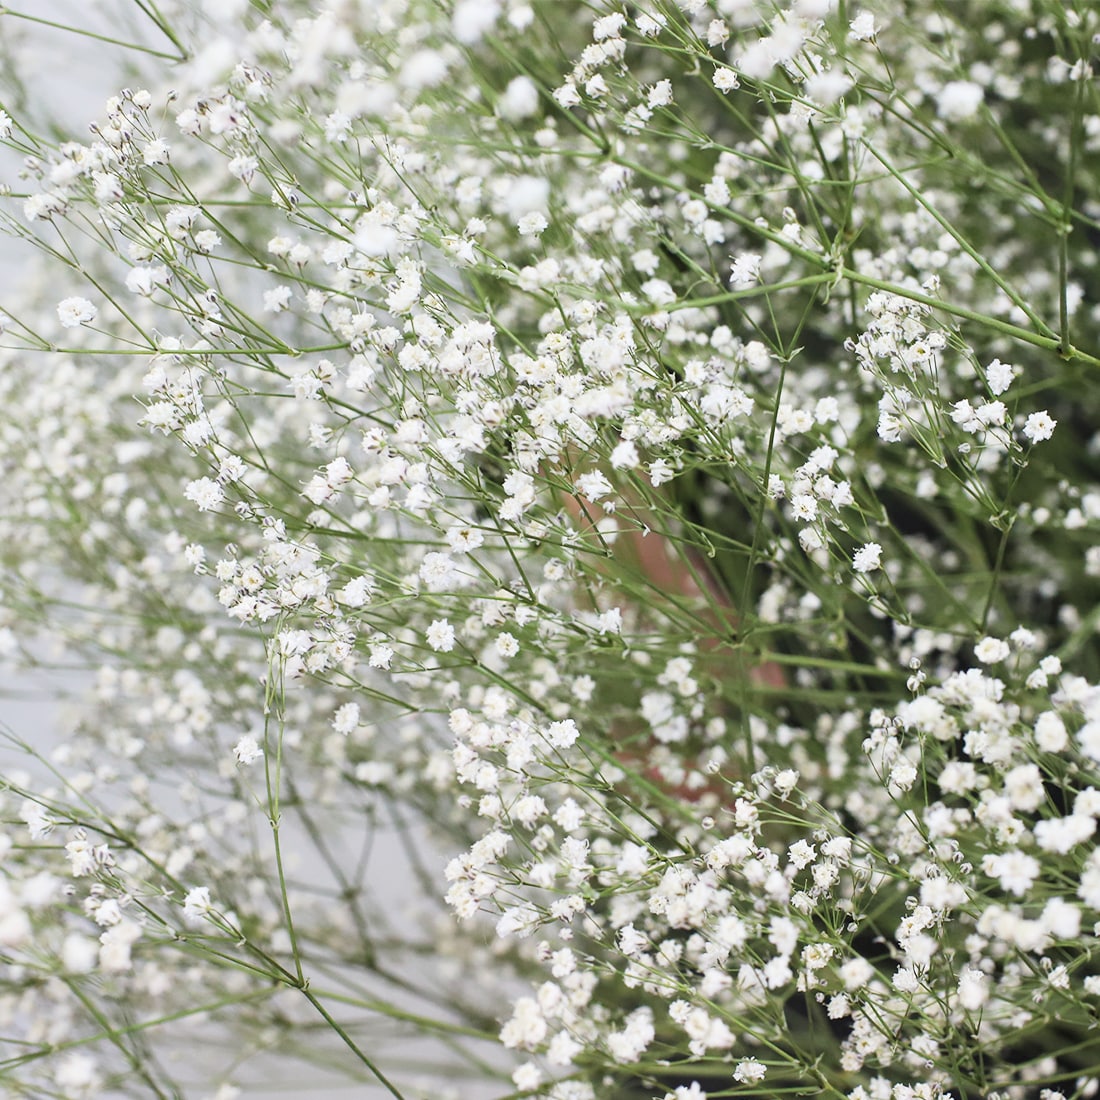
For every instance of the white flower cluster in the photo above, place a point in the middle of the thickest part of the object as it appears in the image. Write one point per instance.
(617, 446)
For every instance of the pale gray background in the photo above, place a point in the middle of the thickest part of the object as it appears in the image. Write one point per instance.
(72, 77)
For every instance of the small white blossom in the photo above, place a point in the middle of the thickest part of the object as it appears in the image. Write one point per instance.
(247, 750)
(1039, 427)
(867, 558)
(532, 224)
(863, 28)
(725, 80)
(440, 636)
(991, 650)
(593, 485)
(205, 493)
(959, 99)
(999, 376)
(346, 718)
(745, 271)
(973, 990)
(197, 903)
(74, 312)
(748, 1071)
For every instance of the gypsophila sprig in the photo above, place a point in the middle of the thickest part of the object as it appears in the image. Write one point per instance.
(577, 522)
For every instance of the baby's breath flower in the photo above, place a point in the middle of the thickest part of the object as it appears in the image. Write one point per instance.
(530, 540)
(749, 1071)
(197, 903)
(862, 27)
(991, 650)
(73, 312)
(1039, 427)
(745, 271)
(346, 719)
(867, 558)
(725, 80)
(441, 636)
(999, 376)
(532, 224)
(205, 492)
(959, 99)
(247, 750)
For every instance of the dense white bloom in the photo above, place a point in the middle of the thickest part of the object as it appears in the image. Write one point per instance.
(1039, 427)
(346, 719)
(745, 271)
(527, 1026)
(1024, 787)
(828, 86)
(1015, 870)
(74, 312)
(725, 80)
(205, 492)
(532, 224)
(520, 99)
(628, 1044)
(959, 99)
(277, 299)
(197, 903)
(999, 376)
(687, 1092)
(519, 920)
(247, 750)
(437, 571)
(1063, 834)
(593, 485)
(470, 474)
(440, 636)
(973, 990)
(631, 941)
(156, 151)
(1050, 732)
(867, 558)
(748, 1071)
(863, 27)
(660, 95)
(381, 655)
(144, 280)
(115, 946)
(991, 650)
(625, 455)
(562, 734)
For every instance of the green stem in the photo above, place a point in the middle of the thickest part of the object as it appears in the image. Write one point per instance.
(1066, 227)
(274, 787)
(382, 1079)
(150, 9)
(91, 34)
(963, 243)
(842, 272)
(1050, 343)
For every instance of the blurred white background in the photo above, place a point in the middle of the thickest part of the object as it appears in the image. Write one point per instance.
(69, 77)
